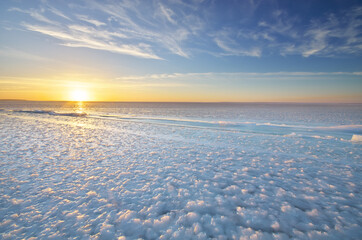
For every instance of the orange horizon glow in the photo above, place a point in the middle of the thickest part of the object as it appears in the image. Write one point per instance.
(119, 94)
(73, 87)
(84, 97)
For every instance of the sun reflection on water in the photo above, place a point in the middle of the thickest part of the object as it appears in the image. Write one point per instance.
(79, 107)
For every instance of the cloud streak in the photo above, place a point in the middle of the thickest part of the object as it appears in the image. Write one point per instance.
(149, 28)
(36, 14)
(74, 36)
(167, 13)
(91, 21)
(129, 28)
(327, 36)
(155, 29)
(229, 50)
(207, 77)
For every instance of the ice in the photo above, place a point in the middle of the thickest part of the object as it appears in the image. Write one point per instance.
(90, 177)
(356, 138)
(69, 114)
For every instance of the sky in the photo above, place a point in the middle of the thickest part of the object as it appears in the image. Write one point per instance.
(181, 51)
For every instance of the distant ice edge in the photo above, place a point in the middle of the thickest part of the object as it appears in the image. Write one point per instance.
(350, 133)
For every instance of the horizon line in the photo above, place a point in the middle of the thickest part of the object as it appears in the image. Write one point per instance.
(262, 102)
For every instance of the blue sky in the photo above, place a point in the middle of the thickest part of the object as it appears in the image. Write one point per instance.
(183, 50)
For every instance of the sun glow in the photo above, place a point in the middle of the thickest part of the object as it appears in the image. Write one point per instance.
(79, 95)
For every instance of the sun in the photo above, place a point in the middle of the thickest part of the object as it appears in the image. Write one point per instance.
(79, 95)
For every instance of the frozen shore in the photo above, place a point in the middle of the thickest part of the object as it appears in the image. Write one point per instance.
(74, 177)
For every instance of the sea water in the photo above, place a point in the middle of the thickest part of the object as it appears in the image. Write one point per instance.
(180, 170)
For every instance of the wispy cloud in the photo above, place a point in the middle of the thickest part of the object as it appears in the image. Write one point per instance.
(154, 29)
(226, 45)
(208, 77)
(167, 13)
(129, 27)
(58, 12)
(329, 35)
(36, 14)
(148, 28)
(323, 34)
(91, 21)
(326, 36)
(81, 37)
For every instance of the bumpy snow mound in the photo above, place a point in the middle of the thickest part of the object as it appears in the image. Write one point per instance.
(356, 138)
(82, 178)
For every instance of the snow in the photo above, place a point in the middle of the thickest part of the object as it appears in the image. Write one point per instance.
(356, 138)
(67, 176)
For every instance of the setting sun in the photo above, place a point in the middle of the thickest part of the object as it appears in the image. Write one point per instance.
(79, 95)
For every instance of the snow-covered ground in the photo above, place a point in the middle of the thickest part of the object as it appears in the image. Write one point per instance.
(126, 177)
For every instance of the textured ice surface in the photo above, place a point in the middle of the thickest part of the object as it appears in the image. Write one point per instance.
(65, 176)
(356, 138)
